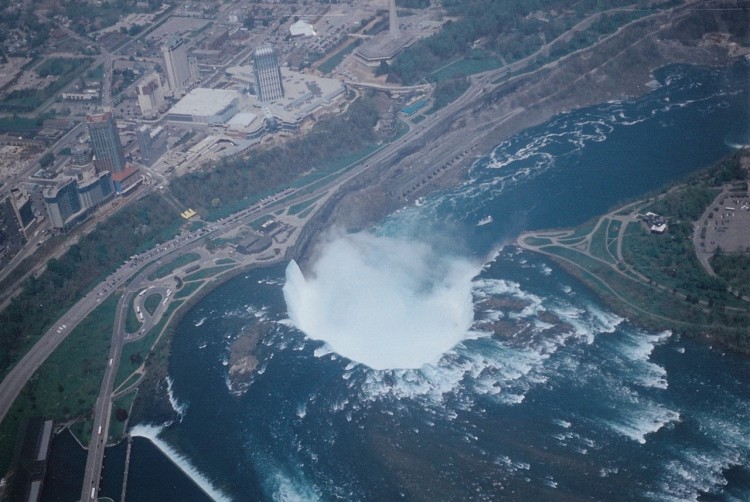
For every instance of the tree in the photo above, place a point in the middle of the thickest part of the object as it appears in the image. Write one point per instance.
(47, 159)
(121, 414)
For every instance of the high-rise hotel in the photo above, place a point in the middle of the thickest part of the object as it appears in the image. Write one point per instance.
(268, 85)
(105, 140)
(182, 71)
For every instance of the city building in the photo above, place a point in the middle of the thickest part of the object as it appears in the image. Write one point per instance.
(181, 72)
(73, 197)
(245, 125)
(81, 155)
(383, 48)
(206, 106)
(305, 95)
(30, 460)
(301, 28)
(105, 140)
(63, 206)
(152, 143)
(22, 207)
(94, 189)
(268, 85)
(150, 95)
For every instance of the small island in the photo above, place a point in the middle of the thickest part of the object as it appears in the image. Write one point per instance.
(243, 358)
(679, 260)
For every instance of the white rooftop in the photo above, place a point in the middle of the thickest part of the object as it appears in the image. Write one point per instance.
(205, 102)
(302, 28)
(243, 119)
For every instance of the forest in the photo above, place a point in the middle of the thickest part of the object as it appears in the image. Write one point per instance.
(234, 179)
(509, 30)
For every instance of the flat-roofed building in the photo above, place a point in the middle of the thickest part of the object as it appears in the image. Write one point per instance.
(246, 125)
(206, 106)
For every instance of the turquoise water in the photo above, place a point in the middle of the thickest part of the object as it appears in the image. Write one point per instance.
(572, 401)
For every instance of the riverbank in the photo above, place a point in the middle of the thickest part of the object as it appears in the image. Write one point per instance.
(650, 272)
(619, 66)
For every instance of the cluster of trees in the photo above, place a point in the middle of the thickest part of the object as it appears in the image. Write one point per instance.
(413, 4)
(45, 298)
(511, 29)
(87, 15)
(734, 269)
(262, 170)
(447, 91)
(57, 67)
(26, 100)
(670, 259)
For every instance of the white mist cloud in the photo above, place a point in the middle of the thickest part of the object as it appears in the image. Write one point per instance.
(383, 302)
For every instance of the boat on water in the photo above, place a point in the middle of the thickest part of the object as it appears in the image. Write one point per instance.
(487, 219)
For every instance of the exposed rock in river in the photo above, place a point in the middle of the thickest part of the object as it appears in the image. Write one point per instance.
(243, 358)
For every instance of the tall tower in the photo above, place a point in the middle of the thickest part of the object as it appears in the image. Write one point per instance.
(177, 66)
(393, 19)
(62, 203)
(268, 85)
(106, 143)
(150, 95)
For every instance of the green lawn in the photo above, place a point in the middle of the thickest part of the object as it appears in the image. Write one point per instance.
(205, 273)
(464, 67)
(135, 353)
(152, 302)
(116, 427)
(67, 384)
(173, 265)
(598, 246)
(188, 289)
(132, 324)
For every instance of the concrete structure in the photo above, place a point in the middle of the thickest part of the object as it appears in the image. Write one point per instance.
(392, 19)
(150, 95)
(245, 125)
(301, 29)
(384, 48)
(181, 73)
(87, 95)
(63, 206)
(304, 95)
(268, 85)
(22, 208)
(152, 143)
(243, 75)
(81, 155)
(106, 142)
(74, 197)
(94, 189)
(206, 106)
(30, 460)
